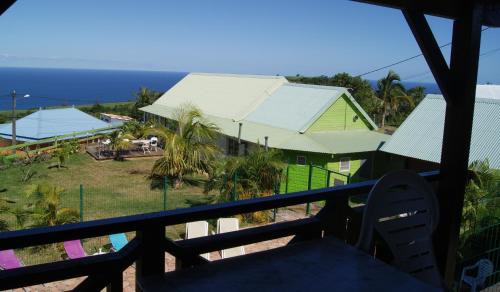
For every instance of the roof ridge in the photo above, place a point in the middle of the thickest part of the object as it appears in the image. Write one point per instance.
(305, 85)
(238, 75)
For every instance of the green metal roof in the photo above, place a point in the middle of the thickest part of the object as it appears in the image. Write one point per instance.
(321, 142)
(421, 134)
(297, 106)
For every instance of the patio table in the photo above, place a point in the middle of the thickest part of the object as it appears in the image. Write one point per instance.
(141, 141)
(320, 265)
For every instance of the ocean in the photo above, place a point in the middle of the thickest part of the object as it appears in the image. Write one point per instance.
(65, 87)
(55, 87)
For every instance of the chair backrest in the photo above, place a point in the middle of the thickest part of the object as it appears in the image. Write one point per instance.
(154, 141)
(228, 225)
(74, 249)
(403, 209)
(484, 269)
(9, 260)
(118, 240)
(197, 229)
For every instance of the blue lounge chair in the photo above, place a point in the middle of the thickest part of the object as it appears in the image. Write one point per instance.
(118, 241)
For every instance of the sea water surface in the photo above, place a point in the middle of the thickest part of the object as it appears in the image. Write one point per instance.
(54, 87)
(65, 87)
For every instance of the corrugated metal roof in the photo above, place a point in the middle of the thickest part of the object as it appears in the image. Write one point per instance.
(49, 123)
(421, 134)
(223, 95)
(488, 91)
(322, 142)
(295, 106)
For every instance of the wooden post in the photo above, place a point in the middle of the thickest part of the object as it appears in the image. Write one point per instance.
(116, 284)
(457, 134)
(152, 260)
(458, 85)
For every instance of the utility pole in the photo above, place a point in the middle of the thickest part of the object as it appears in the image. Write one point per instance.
(13, 120)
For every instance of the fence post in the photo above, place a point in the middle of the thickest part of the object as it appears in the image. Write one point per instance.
(165, 189)
(287, 173)
(328, 173)
(349, 178)
(276, 193)
(81, 202)
(309, 186)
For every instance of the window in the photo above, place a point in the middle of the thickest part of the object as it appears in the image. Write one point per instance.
(338, 182)
(345, 164)
(233, 148)
(301, 160)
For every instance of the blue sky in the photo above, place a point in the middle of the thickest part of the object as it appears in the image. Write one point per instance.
(259, 37)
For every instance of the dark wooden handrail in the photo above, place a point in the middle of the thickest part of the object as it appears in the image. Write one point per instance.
(150, 242)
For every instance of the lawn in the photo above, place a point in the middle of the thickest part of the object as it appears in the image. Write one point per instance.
(110, 189)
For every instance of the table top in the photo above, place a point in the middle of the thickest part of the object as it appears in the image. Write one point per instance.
(140, 141)
(322, 265)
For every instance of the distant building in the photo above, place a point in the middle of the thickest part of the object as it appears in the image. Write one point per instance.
(116, 120)
(417, 142)
(319, 124)
(51, 123)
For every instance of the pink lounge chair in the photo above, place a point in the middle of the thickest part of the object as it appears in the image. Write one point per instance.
(9, 260)
(74, 249)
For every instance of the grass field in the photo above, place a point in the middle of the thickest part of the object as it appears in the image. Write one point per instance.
(110, 189)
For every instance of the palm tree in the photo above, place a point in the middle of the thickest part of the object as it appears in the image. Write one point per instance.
(391, 94)
(45, 209)
(144, 97)
(190, 147)
(119, 141)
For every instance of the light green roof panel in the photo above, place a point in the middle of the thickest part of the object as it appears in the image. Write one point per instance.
(295, 106)
(421, 134)
(223, 95)
(320, 142)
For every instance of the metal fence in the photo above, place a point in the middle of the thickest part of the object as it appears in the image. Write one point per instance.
(99, 202)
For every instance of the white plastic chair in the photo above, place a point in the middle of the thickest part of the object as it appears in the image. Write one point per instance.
(403, 209)
(154, 143)
(145, 147)
(197, 229)
(228, 225)
(484, 270)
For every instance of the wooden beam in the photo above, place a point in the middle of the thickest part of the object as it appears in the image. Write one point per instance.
(430, 49)
(443, 8)
(5, 4)
(457, 134)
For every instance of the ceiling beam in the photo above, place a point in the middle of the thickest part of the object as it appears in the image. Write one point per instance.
(5, 4)
(430, 49)
(451, 9)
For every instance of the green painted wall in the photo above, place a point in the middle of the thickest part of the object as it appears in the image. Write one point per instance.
(340, 116)
(298, 175)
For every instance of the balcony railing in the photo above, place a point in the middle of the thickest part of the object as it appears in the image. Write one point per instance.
(148, 247)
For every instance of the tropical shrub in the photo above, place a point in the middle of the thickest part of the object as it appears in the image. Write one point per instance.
(254, 175)
(45, 206)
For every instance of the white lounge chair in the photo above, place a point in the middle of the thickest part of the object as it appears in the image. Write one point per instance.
(228, 225)
(197, 229)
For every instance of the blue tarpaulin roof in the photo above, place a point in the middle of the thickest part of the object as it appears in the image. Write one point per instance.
(49, 123)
